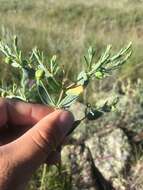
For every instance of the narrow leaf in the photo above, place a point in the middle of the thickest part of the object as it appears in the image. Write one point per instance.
(68, 101)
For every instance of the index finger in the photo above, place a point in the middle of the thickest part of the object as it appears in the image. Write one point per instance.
(21, 113)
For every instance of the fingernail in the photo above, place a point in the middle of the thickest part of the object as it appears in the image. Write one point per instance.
(66, 120)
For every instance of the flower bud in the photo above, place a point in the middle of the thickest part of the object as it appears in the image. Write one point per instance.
(99, 75)
(8, 60)
(39, 74)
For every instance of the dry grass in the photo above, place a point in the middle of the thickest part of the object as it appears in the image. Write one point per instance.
(67, 28)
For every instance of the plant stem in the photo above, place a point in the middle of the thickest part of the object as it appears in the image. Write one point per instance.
(71, 85)
(42, 186)
(23, 84)
(60, 97)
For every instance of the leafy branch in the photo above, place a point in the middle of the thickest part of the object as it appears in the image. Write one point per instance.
(42, 79)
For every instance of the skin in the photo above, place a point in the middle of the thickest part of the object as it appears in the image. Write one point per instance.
(30, 134)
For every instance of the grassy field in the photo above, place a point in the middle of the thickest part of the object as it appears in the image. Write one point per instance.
(67, 28)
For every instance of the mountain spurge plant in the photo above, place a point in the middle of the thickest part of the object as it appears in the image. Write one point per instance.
(44, 80)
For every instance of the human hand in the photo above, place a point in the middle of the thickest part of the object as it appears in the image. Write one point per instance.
(29, 136)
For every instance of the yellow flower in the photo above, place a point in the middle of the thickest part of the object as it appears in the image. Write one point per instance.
(75, 91)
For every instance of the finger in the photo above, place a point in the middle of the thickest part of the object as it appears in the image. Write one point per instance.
(21, 113)
(39, 142)
(3, 112)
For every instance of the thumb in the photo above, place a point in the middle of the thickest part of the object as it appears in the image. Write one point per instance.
(36, 145)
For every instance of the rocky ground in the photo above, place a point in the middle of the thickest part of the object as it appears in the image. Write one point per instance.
(109, 156)
(106, 154)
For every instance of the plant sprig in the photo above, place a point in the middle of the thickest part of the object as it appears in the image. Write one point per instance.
(42, 79)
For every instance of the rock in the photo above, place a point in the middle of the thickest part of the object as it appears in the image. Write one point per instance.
(119, 183)
(99, 160)
(110, 153)
(77, 159)
(78, 110)
(135, 178)
(85, 175)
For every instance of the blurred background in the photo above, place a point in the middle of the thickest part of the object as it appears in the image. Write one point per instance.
(67, 28)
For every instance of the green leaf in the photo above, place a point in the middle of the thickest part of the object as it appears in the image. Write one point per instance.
(86, 61)
(94, 114)
(108, 107)
(82, 78)
(8, 60)
(99, 75)
(53, 85)
(91, 53)
(44, 95)
(68, 101)
(15, 64)
(15, 44)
